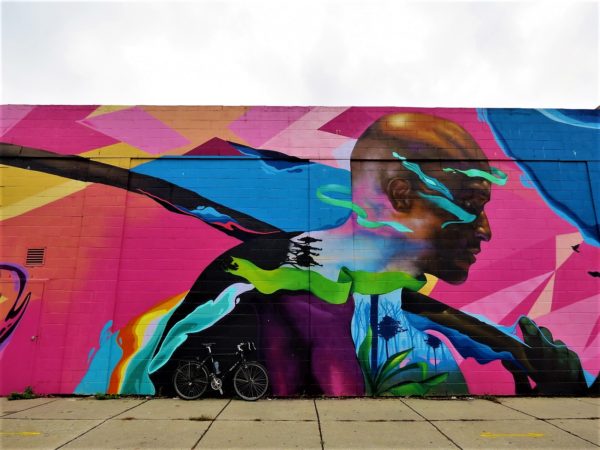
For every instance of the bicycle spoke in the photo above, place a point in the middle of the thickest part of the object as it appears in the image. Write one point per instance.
(251, 381)
(190, 380)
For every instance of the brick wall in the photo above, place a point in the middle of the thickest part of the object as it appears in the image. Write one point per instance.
(366, 251)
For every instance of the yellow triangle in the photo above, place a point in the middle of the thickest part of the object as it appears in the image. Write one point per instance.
(106, 109)
(120, 155)
(43, 189)
(429, 284)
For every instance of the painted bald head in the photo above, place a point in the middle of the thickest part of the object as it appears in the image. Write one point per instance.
(421, 138)
(428, 175)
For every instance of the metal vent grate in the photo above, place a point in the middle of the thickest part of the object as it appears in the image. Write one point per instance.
(35, 256)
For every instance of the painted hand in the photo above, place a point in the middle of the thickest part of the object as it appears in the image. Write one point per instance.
(554, 368)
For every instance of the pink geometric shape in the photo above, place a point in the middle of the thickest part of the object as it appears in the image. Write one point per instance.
(261, 123)
(10, 115)
(509, 300)
(136, 127)
(573, 282)
(354, 121)
(594, 334)
(564, 243)
(495, 273)
(304, 140)
(56, 128)
(536, 297)
(214, 147)
(490, 378)
(543, 304)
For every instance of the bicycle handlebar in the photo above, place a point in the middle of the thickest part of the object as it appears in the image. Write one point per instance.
(249, 344)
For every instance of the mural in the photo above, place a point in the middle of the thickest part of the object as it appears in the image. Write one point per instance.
(366, 251)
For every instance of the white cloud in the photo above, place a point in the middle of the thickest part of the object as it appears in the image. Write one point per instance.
(302, 52)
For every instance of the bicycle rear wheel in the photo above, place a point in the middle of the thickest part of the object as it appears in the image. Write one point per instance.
(251, 381)
(190, 380)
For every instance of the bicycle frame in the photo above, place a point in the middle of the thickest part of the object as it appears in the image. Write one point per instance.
(222, 374)
(249, 378)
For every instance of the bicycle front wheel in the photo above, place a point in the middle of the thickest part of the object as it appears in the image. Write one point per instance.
(251, 381)
(190, 380)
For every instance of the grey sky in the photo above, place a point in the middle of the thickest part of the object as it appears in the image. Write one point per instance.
(300, 52)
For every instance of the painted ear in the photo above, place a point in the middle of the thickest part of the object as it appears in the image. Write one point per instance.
(399, 193)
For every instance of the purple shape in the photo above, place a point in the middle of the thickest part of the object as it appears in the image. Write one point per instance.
(57, 128)
(316, 353)
(262, 123)
(137, 128)
(354, 121)
(214, 147)
(10, 115)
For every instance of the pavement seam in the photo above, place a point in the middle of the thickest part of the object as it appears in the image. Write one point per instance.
(49, 419)
(587, 401)
(432, 424)
(567, 431)
(211, 424)
(103, 422)
(127, 419)
(319, 424)
(4, 416)
(268, 420)
(550, 423)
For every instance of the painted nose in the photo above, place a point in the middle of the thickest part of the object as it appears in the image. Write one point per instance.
(482, 228)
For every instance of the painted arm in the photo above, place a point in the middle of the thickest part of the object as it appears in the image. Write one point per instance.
(554, 368)
(171, 196)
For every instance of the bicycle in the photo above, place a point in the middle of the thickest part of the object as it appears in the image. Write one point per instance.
(192, 377)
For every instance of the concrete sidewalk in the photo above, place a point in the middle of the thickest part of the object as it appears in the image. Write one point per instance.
(550, 423)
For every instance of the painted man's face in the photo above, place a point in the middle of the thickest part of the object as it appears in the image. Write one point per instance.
(449, 249)
(443, 213)
(419, 186)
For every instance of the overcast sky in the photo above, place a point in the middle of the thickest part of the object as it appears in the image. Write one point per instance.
(302, 52)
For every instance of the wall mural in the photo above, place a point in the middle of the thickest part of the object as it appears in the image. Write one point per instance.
(366, 251)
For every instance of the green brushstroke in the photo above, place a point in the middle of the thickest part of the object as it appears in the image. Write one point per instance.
(462, 215)
(333, 292)
(430, 182)
(359, 211)
(495, 177)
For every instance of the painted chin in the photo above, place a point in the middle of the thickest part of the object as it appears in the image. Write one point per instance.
(457, 272)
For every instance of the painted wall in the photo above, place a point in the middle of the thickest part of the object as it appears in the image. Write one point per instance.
(384, 251)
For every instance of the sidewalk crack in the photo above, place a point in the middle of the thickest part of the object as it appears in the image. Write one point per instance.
(432, 424)
(97, 425)
(319, 424)
(211, 424)
(5, 416)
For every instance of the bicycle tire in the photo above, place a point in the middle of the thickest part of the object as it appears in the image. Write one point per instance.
(190, 380)
(251, 381)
